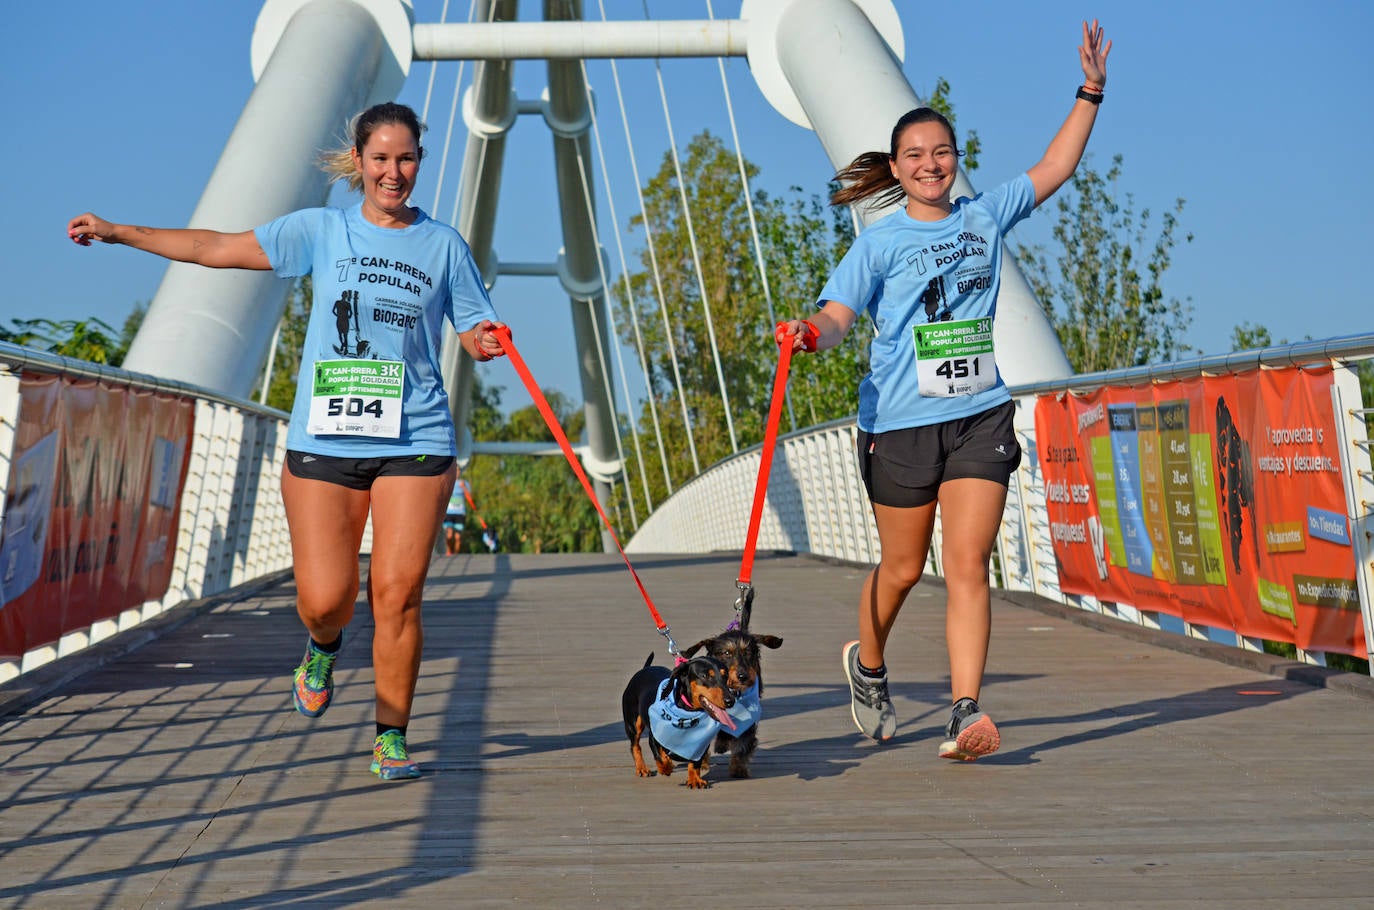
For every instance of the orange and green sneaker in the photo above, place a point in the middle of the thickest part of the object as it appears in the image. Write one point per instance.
(314, 681)
(390, 760)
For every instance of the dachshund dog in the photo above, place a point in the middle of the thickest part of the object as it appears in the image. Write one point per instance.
(738, 651)
(680, 711)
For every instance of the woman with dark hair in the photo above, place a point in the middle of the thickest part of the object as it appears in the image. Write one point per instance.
(370, 431)
(935, 418)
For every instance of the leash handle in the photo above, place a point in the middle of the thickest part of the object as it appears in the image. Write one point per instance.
(810, 336)
(503, 336)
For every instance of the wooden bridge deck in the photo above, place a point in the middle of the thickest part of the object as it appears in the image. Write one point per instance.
(1132, 774)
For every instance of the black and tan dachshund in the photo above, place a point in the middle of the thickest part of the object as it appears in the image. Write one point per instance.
(680, 711)
(738, 651)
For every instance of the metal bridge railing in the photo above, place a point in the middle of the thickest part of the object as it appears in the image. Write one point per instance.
(816, 503)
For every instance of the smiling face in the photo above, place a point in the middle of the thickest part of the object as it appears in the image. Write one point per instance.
(387, 164)
(925, 162)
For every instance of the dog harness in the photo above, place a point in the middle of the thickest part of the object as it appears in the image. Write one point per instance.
(746, 710)
(685, 732)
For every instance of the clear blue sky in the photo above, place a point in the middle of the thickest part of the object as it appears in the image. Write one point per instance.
(1257, 114)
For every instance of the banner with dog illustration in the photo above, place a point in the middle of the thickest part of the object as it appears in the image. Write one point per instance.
(1219, 500)
(91, 508)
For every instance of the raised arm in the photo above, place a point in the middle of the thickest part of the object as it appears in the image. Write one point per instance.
(213, 249)
(1066, 149)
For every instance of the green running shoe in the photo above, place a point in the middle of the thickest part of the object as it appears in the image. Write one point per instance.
(390, 760)
(314, 681)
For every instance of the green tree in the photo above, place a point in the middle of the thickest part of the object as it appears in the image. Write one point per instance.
(132, 323)
(91, 340)
(939, 100)
(1247, 337)
(286, 361)
(1105, 296)
(534, 502)
(801, 242)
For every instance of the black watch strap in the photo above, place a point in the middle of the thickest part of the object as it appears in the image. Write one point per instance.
(1093, 97)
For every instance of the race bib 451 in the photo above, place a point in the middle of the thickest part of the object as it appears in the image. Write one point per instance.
(954, 358)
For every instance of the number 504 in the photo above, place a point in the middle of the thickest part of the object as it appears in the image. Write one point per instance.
(354, 407)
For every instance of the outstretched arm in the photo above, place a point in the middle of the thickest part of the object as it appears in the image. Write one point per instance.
(1066, 149)
(208, 248)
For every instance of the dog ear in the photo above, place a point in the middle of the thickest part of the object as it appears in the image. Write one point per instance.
(768, 641)
(696, 647)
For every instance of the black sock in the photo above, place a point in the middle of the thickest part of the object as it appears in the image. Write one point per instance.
(399, 728)
(872, 674)
(331, 648)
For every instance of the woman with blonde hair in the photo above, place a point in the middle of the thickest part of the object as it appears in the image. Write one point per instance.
(370, 431)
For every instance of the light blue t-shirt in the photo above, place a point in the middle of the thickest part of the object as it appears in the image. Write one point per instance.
(380, 294)
(906, 274)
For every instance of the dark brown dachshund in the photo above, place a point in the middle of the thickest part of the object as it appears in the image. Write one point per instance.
(680, 711)
(738, 651)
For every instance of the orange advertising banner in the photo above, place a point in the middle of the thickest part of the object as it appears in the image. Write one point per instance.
(91, 510)
(1219, 500)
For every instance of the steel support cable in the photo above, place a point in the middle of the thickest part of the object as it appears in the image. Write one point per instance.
(433, 68)
(639, 342)
(658, 285)
(452, 115)
(634, 319)
(596, 324)
(696, 255)
(476, 93)
(749, 207)
(634, 314)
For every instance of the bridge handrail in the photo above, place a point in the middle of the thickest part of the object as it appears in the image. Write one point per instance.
(231, 525)
(816, 502)
(1345, 347)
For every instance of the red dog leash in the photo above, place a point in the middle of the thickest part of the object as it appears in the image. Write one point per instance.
(810, 335)
(503, 335)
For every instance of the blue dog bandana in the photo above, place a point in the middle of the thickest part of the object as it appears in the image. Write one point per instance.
(682, 731)
(746, 710)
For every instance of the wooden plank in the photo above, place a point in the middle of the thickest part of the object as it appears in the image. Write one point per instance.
(1131, 773)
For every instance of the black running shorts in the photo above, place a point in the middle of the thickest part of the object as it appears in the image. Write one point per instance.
(359, 473)
(904, 468)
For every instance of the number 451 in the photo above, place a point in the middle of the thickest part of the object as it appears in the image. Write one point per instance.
(958, 368)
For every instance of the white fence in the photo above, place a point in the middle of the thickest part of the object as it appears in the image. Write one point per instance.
(232, 526)
(816, 502)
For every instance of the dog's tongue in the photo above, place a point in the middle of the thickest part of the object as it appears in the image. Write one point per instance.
(719, 714)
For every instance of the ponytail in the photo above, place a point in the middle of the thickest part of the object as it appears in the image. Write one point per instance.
(869, 176)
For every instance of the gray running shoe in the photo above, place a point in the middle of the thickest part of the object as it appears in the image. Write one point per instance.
(971, 734)
(870, 705)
